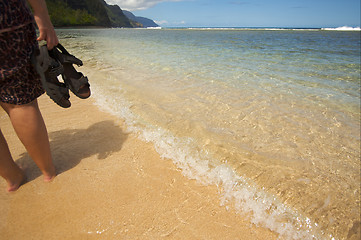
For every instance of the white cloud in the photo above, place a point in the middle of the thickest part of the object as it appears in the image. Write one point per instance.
(134, 5)
(161, 22)
(165, 22)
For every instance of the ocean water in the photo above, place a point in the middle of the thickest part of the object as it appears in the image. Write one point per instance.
(272, 117)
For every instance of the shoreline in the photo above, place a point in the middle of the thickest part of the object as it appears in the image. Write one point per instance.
(111, 185)
(340, 28)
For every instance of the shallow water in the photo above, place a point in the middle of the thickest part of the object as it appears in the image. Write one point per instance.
(272, 117)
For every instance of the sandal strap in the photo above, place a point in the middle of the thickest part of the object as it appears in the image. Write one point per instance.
(76, 84)
(64, 56)
(55, 88)
(42, 59)
(72, 59)
(55, 70)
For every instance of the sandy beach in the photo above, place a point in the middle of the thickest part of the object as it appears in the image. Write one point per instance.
(110, 185)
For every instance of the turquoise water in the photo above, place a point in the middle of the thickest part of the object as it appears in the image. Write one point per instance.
(272, 117)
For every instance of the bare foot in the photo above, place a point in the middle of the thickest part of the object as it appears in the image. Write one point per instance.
(18, 181)
(49, 176)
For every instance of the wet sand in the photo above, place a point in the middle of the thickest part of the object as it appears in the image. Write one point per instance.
(111, 185)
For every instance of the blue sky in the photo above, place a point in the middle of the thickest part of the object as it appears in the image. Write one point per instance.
(246, 13)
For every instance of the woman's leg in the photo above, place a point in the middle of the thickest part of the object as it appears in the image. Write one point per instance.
(13, 175)
(31, 130)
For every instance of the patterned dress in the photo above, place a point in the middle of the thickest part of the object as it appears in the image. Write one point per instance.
(19, 82)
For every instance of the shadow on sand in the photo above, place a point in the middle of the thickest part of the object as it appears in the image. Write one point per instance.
(70, 146)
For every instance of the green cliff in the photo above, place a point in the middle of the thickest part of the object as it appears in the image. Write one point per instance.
(64, 13)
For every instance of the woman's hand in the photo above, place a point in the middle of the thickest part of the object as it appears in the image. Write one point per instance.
(48, 34)
(45, 26)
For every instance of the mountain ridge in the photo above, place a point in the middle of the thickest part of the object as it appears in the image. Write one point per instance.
(97, 13)
(146, 22)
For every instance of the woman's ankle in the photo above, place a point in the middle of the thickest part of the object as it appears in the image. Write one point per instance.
(16, 181)
(49, 175)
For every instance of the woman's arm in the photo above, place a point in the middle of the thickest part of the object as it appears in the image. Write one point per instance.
(45, 26)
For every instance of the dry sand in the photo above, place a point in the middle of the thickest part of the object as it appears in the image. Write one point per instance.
(111, 185)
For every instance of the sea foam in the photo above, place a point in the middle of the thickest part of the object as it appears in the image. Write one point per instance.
(264, 209)
(344, 28)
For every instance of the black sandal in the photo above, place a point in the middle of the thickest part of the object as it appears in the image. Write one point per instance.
(49, 69)
(74, 80)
